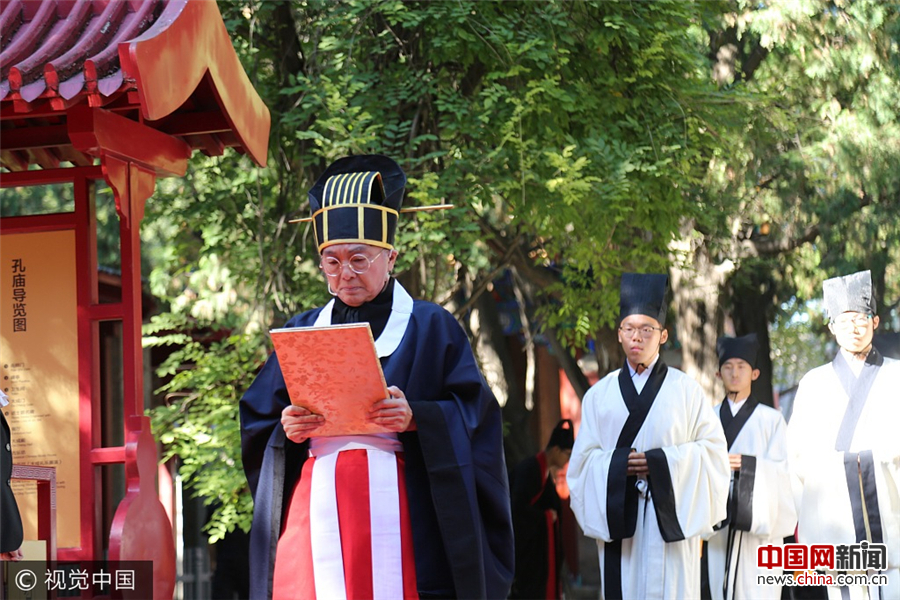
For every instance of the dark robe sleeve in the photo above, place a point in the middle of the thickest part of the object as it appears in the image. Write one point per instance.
(260, 410)
(461, 437)
(742, 493)
(663, 495)
(271, 463)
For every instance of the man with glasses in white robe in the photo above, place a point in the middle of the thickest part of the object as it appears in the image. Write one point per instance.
(844, 440)
(649, 471)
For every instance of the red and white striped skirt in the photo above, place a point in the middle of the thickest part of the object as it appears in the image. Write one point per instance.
(347, 532)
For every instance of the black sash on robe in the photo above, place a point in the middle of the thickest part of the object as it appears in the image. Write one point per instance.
(859, 465)
(622, 498)
(740, 495)
(740, 498)
(732, 424)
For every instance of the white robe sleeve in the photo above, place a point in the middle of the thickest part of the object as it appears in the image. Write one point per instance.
(588, 473)
(689, 482)
(818, 481)
(798, 434)
(774, 513)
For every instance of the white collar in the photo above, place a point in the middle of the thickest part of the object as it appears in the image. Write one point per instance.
(646, 372)
(735, 405)
(854, 363)
(390, 338)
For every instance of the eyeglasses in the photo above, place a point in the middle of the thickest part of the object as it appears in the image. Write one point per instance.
(646, 330)
(848, 322)
(358, 263)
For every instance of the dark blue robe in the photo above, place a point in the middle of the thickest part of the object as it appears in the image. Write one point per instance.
(455, 469)
(10, 521)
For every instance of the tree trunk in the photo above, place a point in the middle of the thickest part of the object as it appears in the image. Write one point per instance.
(497, 366)
(568, 363)
(608, 351)
(696, 285)
(752, 296)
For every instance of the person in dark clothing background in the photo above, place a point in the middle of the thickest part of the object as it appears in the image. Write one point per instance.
(535, 510)
(10, 520)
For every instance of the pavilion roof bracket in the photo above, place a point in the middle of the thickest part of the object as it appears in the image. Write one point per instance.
(98, 132)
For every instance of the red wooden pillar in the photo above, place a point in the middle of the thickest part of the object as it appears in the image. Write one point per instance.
(132, 155)
(132, 185)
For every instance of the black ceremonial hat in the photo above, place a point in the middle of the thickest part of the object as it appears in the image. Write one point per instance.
(643, 294)
(563, 435)
(357, 200)
(745, 347)
(849, 293)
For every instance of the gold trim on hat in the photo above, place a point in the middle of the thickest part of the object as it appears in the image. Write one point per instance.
(356, 186)
(402, 211)
(354, 241)
(362, 204)
(349, 188)
(360, 207)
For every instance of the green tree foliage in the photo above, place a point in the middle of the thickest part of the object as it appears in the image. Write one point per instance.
(819, 138)
(197, 424)
(565, 133)
(807, 187)
(797, 343)
(576, 139)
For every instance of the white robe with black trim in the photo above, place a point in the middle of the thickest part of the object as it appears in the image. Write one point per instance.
(763, 512)
(686, 434)
(828, 512)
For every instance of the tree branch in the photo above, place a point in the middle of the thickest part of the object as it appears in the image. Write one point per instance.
(515, 254)
(570, 366)
(774, 247)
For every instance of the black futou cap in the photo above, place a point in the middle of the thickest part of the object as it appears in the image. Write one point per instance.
(643, 294)
(745, 347)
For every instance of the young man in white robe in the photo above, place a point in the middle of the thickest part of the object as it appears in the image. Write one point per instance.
(760, 505)
(649, 471)
(844, 439)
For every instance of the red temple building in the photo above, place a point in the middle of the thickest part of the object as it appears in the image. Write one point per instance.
(115, 93)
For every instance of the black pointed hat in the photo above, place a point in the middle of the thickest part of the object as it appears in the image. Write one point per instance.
(849, 293)
(357, 200)
(643, 294)
(563, 435)
(745, 347)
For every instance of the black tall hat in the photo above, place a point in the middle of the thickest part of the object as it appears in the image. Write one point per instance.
(849, 293)
(643, 294)
(357, 200)
(563, 435)
(745, 347)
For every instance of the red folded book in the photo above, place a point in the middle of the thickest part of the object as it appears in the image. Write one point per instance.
(332, 371)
